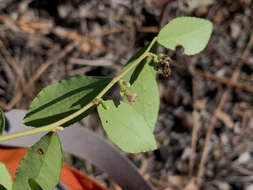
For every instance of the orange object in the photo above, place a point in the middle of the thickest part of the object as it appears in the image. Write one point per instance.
(70, 177)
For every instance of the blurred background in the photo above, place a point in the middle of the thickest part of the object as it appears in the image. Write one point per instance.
(44, 41)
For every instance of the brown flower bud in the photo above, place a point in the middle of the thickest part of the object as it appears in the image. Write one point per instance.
(131, 97)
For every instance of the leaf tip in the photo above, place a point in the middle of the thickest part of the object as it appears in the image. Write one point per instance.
(2, 121)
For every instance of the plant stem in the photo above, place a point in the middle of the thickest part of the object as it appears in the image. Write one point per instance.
(30, 132)
(152, 54)
(89, 105)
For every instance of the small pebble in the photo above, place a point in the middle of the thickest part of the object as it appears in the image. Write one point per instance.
(244, 158)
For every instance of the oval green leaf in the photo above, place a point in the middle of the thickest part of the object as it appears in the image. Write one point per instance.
(63, 98)
(5, 178)
(41, 165)
(126, 128)
(143, 82)
(2, 121)
(190, 32)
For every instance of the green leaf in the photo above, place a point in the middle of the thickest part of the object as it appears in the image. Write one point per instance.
(63, 98)
(2, 187)
(5, 178)
(143, 82)
(41, 166)
(2, 121)
(190, 32)
(126, 127)
(34, 185)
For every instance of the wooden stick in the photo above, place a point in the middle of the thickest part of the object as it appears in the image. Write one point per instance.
(195, 129)
(211, 127)
(225, 81)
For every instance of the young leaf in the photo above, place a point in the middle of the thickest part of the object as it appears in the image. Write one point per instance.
(41, 166)
(143, 82)
(190, 32)
(2, 121)
(126, 127)
(5, 178)
(63, 98)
